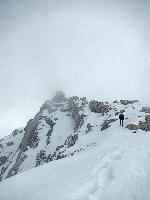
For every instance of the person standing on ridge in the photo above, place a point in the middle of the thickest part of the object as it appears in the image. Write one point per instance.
(121, 117)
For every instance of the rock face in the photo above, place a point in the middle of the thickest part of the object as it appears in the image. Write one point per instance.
(56, 130)
(74, 108)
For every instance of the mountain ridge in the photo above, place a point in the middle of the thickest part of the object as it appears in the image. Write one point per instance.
(61, 123)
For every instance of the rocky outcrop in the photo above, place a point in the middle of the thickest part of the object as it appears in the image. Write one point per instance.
(31, 134)
(9, 143)
(145, 109)
(71, 140)
(48, 105)
(73, 106)
(98, 107)
(74, 109)
(15, 132)
(41, 158)
(118, 112)
(88, 128)
(126, 102)
(79, 121)
(107, 123)
(115, 101)
(3, 160)
(145, 126)
(49, 133)
(14, 170)
(83, 101)
(30, 138)
(133, 127)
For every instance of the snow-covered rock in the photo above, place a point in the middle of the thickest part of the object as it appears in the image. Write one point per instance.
(65, 127)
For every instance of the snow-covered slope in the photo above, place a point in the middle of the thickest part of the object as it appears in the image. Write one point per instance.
(87, 154)
(116, 167)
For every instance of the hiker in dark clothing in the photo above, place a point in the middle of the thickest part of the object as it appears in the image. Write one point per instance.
(121, 117)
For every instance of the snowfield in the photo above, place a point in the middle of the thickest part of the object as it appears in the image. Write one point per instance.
(115, 166)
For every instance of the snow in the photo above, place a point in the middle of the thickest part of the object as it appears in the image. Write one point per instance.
(116, 168)
(110, 164)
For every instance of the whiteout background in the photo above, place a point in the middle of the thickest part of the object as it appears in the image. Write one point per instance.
(98, 49)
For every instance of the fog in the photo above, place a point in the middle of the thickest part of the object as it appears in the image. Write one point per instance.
(94, 48)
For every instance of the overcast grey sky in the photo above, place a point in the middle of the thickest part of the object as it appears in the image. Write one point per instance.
(94, 48)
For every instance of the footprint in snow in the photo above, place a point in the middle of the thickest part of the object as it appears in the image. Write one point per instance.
(102, 175)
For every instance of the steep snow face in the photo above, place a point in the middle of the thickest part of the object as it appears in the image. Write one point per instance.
(65, 127)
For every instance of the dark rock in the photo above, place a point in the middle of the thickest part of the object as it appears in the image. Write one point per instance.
(98, 107)
(132, 127)
(79, 121)
(10, 143)
(122, 111)
(145, 126)
(89, 127)
(15, 132)
(126, 102)
(59, 147)
(117, 113)
(49, 158)
(30, 139)
(49, 133)
(106, 124)
(14, 170)
(74, 109)
(48, 105)
(84, 101)
(115, 101)
(31, 134)
(60, 156)
(49, 121)
(3, 170)
(147, 118)
(41, 158)
(3, 160)
(71, 140)
(145, 109)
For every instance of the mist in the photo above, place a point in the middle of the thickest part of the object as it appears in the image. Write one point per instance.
(98, 49)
